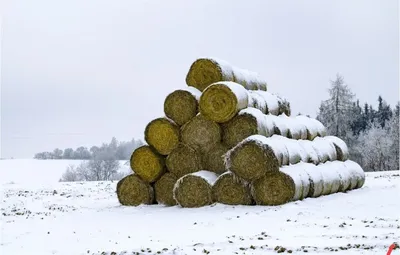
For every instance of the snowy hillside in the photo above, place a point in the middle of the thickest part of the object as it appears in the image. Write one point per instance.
(42, 216)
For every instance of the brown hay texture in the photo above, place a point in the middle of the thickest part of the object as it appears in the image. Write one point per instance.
(230, 190)
(182, 105)
(133, 191)
(163, 189)
(291, 183)
(195, 190)
(163, 135)
(201, 133)
(255, 157)
(147, 163)
(206, 71)
(221, 101)
(342, 151)
(248, 122)
(213, 158)
(183, 160)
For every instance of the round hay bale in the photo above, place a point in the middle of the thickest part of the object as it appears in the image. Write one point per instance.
(182, 105)
(163, 135)
(248, 122)
(205, 71)
(195, 190)
(253, 158)
(214, 158)
(284, 107)
(325, 149)
(201, 133)
(344, 175)
(280, 126)
(342, 151)
(230, 190)
(309, 151)
(133, 191)
(221, 101)
(265, 101)
(147, 163)
(314, 128)
(277, 189)
(357, 173)
(331, 177)
(164, 189)
(316, 180)
(183, 160)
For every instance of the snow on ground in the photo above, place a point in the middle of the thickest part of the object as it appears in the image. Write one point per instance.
(86, 218)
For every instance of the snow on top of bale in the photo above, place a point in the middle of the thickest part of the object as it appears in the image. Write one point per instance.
(265, 123)
(300, 178)
(209, 176)
(325, 149)
(192, 90)
(309, 150)
(240, 92)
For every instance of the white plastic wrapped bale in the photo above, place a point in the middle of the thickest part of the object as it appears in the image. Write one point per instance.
(325, 149)
(248, 122)
(316, 180)
(255, 157)
(357, 172)
(221, 101)
(206, 71)
(342, 151)
(195, 190)
(182, 105)
(314, 127)
(291, 183)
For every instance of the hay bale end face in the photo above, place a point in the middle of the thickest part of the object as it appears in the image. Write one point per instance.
(221, 101)
(248, 122)
(133, 191)
(273, 189)
(182, 105)
(163, 135)
(252, 159)
(164, 189)
(147, 163)
(205, 71)
(201, 133)
(230, 190)
(213, 158)
(183, 160)
(195, 190)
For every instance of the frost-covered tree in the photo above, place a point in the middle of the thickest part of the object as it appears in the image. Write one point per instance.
(384, 112)
(375, 147)
(68, 153)
(57, 153)
(393, 128)
(336, 113)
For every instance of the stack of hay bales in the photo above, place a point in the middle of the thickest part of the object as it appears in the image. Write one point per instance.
(225, 139)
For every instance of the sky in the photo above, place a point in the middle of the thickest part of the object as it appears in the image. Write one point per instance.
(80, 72)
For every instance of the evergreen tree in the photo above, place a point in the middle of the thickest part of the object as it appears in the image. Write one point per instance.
(336, 113)
(384, 112)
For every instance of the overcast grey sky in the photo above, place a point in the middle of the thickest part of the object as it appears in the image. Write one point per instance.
(79, 72)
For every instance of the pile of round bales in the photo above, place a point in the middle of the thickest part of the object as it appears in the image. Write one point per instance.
(226, 139)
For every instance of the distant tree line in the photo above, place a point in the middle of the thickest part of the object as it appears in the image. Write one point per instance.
(372, 135)
(113, 150)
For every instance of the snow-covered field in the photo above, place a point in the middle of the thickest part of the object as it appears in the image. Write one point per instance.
(39, 215)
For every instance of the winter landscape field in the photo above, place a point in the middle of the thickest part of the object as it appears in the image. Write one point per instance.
(40, 215)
